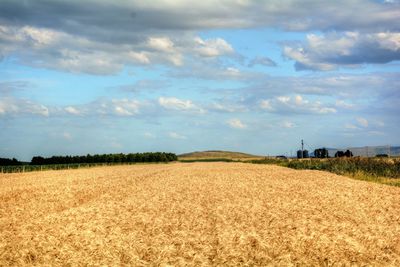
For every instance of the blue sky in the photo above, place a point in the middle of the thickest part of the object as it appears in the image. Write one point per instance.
(102, 76)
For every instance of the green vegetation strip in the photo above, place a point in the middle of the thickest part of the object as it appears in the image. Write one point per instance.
(386, 171)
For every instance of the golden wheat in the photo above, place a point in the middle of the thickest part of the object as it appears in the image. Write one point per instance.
(196, 214)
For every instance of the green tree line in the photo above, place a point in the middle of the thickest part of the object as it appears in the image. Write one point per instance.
(9, 162)
(102, 158)
(106, 158)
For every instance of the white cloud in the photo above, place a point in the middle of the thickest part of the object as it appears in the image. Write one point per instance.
(175, 135)
(303, 60)
(141, 57)
(234, 72)
(38, 109)
(296, 104)
(80, 54)
(298, 99)
(107, 107)
(94, 62)
(220, 107)
(72, 110)
(236, 123)
(283, 99)
(333, 50)
(125, 107)
(212, 47)
(362, 122)
(227, 107)
(7, 107)
(173, 103)
(176, 59)
(163, 32)
(163, 44)
(266, 104)
(39, 37)
(14, 106)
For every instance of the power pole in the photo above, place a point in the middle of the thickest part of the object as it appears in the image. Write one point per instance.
(302, 148)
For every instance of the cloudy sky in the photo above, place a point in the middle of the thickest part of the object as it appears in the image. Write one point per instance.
(105, 76)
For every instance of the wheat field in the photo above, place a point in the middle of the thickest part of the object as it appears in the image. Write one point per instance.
(196, 214)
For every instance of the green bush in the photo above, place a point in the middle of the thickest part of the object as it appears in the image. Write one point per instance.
(371, 166)
(282, 162)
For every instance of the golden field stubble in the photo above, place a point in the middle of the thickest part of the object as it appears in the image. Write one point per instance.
(196, 214)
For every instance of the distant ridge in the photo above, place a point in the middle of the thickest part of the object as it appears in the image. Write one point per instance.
(209, 154)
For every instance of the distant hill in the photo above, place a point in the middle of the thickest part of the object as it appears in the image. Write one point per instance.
(210, 154)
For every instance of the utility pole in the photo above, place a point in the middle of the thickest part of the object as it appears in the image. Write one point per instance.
(302, 148)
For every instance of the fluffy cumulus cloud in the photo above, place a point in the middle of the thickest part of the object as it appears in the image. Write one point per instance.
(161, 44)
(125, 107)
(295, 105)
(72, 110)
(236, 124)
(330, 51)
(173, 103)
(102, 37)
(55, 49)
(41, 47)
(10, 106)
(319, 94)
(114, 107)
(212, 47)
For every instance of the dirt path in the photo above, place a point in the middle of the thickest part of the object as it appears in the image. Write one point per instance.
(196, 214)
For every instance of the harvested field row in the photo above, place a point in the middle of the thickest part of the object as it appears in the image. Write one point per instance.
(196, 214)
